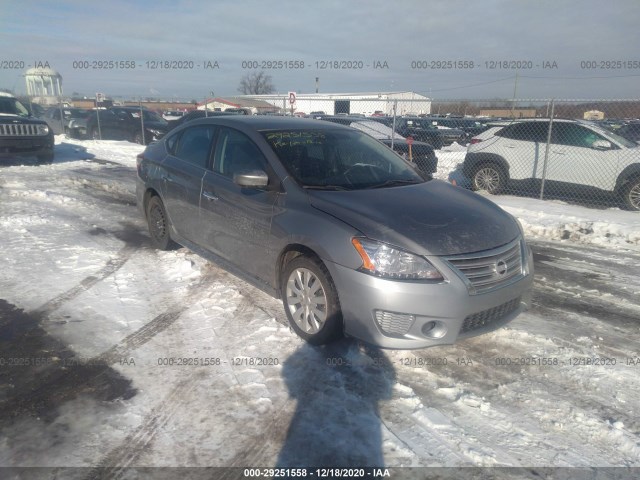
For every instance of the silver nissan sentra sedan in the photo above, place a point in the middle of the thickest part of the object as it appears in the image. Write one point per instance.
(352, 238)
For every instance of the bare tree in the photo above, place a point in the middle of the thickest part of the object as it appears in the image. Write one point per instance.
(256, 83)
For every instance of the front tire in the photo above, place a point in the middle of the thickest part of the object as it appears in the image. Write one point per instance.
(45, 158)
(159, 225)
(137, 138)
(311, 301)
(489, 177)
(631, 194)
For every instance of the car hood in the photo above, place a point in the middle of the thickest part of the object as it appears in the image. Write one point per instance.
(11, 118)
(428, 218)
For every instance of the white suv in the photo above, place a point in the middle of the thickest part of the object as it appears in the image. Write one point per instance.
(580, 154)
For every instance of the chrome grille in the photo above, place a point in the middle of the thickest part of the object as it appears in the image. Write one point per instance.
(486, 317)
(394, 323)
(490, 269)
(19, 130)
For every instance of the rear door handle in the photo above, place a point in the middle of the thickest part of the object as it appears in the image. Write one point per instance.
(210, 196)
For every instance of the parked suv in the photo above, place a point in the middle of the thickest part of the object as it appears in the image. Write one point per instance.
(580, 154)
(21, 134)
(469, 126)
(124, 123)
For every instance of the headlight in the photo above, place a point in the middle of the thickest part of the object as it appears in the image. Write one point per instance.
(383, 260)
(43, 129)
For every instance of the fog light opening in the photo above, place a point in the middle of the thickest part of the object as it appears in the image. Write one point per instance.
(434, 329)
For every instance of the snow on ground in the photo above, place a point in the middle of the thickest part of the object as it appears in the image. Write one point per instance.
(164, 359)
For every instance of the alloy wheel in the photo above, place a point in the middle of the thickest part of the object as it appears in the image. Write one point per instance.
(306, 300)
(488, 179)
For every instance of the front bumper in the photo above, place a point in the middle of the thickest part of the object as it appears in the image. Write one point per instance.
(412, 308)
(26, 146)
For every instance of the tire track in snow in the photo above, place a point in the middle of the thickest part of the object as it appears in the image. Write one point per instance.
(109, 269)
(115, 463)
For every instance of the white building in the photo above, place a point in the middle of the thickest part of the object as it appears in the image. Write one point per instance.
(406, 103)
(44, 85)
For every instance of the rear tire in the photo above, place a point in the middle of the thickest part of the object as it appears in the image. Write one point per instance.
(489, 177)
(159, 226)
(311, 301)
(631, 194)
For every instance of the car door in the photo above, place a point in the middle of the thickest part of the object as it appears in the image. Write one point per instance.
(181, 176)
(581, 156)
(522, 145)
(123, 124)
(236, 221)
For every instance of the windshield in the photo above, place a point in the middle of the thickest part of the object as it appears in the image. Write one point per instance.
(76, 113)
(340, 160)
(148, 116)
(421, 123)
(13, 107)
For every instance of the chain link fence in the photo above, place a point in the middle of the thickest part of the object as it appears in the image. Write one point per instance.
(581, 151)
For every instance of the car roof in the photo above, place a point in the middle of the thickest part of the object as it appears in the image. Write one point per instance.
(267, 122)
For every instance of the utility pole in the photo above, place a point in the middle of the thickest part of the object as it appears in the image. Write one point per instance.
(513, 101)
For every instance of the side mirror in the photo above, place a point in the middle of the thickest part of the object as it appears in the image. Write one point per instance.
(601, 145)
(251, 179)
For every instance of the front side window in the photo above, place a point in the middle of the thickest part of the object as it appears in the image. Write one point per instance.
(236, 153)
(573, 135)
(194, 145)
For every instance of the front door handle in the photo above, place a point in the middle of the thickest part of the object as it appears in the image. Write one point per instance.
(210, 196)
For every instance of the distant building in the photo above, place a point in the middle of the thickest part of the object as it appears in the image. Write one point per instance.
(406, 103)
(593, 115)
(251, 105)
(44, 85)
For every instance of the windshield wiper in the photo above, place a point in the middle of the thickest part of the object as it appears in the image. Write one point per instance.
(396, 182)
(325, 187)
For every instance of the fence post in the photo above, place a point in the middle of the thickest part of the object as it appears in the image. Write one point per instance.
(61, 115)
(144, 142)
(393, 127)
(98, 119)
(546, 152)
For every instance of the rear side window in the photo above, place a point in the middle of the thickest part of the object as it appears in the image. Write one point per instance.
(194, 145)
(526, 131)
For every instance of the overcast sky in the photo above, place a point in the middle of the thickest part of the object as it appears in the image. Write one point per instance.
(579, 40)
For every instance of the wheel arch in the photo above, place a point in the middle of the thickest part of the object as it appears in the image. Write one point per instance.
(631, 171)
(287, 254)
(149, 192)
(473, 160)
